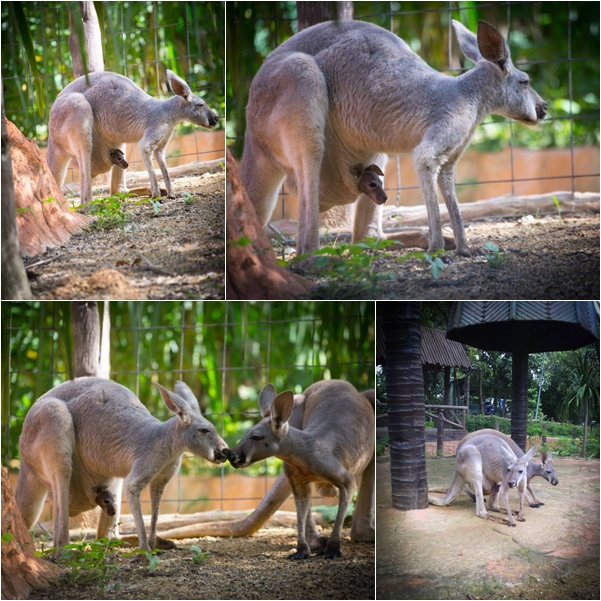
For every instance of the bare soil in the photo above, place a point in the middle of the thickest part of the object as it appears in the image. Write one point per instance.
(547, 258)
(243, 568)
(171, 250)
(450, 553)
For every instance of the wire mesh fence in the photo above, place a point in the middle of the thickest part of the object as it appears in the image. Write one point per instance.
(225, 352)
(557, 44)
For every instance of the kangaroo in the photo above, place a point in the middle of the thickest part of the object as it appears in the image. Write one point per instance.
(544, 469)
(90, 433)
(105, 500)
(334, 448)
(118, 158)
(369, 183)
(307, 119)
(488, 465)
(102, 111)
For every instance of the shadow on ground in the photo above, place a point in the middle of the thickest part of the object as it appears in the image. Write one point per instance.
(449, 553)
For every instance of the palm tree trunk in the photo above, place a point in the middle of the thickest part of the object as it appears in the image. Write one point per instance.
(406, 412)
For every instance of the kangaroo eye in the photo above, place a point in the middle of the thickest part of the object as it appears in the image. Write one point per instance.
(203, 430)
(525, 82)
(372, 184)
(256, 437)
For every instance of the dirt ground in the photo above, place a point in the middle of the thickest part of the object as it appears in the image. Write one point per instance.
(174, 250)
(548, 258)
(449, 553)
(253, 567)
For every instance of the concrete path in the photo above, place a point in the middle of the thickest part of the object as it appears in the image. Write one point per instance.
(449, 553)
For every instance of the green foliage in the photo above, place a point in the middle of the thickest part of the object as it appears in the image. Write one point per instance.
(226, 352)
(198, 555)
(140, 40)
(109, 212)
(87, 562)
(382, 446)
(492, 254)
(350, 268)
(478, 422)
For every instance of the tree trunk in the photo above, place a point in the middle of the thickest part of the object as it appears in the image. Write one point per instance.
(252, 270)
(85, 24)
(21, 570)
(311, 13)
(15, 285)
(519, 402)
(90, 352)
(406, 411)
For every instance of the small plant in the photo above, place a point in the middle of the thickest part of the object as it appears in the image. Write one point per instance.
(86, 561)
(433, 259)
(350, 267)
(492, 254)
(109, 212)
(198, 555)
(155, 204)
(188, 197)
(557, 205)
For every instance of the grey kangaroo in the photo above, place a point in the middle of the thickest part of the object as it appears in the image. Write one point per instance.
(369, 182)
(544, 469)
(88, 120)
(334, 448)
(90, 433)
(488, 465)
(342, 93)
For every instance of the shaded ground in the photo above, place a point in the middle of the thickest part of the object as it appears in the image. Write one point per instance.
(548, 258)
(246, 568)
(449, 553)
(171, 250)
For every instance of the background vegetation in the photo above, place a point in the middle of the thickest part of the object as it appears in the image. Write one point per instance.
(140, 40)
(553, 374)
(226, 352)
(557, 43)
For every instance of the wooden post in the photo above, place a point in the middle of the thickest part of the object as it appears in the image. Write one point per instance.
(440, 435)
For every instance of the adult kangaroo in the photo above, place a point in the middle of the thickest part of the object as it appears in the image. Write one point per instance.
(88, 434)
(103, 111)
(544, 468)
(344, 93)
(334, 448)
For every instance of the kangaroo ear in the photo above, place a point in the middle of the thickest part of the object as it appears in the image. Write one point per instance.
(179, 86)
(183, 390)
(176, 405)
(266, 396)
(468, 43)
(281, 410)
(492, 46)
(530, 454)
(375, 169)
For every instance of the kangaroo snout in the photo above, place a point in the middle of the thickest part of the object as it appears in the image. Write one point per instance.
(221, 455)
(541, 110)
(237, 459)
(213, 119)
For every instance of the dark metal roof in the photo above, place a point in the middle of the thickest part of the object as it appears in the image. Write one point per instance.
(437, 350)
(539, 325)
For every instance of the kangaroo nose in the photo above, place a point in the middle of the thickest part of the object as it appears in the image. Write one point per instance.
(213, 120)
(541, 110)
